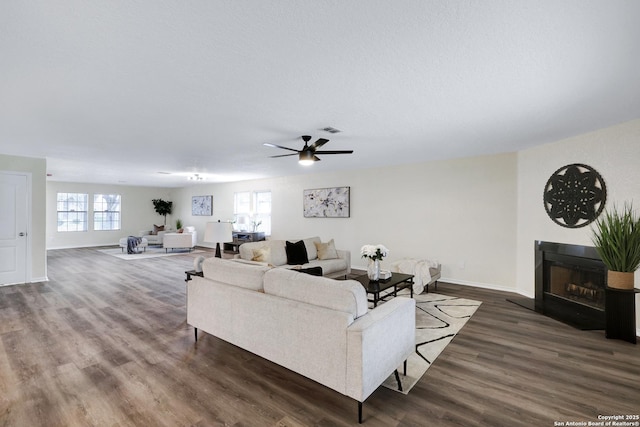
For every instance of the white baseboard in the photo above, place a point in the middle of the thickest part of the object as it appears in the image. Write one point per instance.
(83, 246)
(482, 285)
(33, 280)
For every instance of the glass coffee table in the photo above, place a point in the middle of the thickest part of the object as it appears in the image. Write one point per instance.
(397, 281)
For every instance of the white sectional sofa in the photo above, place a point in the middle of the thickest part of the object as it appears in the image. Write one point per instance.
(153, 237)
(185, 240)
(318, 327)
(274, 253)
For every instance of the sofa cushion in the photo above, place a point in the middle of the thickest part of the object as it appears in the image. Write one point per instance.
(346, 296)
(234, 273)
(262, 254)
(278, 253)
(157, 228)
(326, 250)
(296, 253)
(310, 244)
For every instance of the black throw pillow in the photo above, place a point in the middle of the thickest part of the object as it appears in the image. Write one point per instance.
(314, 271)
(296, 253)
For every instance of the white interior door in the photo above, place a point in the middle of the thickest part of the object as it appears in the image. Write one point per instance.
(13, 228)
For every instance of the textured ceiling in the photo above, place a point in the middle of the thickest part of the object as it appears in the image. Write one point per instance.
(117, 91)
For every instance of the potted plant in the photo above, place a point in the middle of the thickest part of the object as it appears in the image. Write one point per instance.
(617, 240)
(179, 225)
(163, 208)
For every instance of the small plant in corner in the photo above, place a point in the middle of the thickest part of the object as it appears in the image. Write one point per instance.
(616, 236)
(163, 208)
(178, 224)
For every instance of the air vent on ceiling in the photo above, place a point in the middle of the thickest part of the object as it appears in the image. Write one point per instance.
(331, 130)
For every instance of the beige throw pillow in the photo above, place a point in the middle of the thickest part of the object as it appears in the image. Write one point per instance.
(262, 254)
(326, 250)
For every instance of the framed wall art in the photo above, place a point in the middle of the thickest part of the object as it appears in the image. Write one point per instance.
(326, 202)
(202, 205)
(575, 195)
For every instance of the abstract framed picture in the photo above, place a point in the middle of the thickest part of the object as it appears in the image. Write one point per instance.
(202, 205)
(326, 202)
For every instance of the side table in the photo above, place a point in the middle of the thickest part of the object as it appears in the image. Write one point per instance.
(620, 311)
(192, 273)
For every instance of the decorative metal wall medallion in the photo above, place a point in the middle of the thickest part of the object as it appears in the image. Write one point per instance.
(574, 195)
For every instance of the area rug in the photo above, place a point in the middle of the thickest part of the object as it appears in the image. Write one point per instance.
(151, 252)
(438, 319)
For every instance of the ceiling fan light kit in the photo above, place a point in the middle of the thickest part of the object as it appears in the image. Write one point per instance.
(307, 156)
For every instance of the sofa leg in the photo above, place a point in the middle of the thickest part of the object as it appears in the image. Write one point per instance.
(405, 368)
(195, 331)
(359, 412)
(435, 285)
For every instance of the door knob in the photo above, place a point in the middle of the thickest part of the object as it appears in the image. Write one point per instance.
(21, 234)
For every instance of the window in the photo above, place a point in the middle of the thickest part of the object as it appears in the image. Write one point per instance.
(72, 211)
(252, 211)
(262, 205)
(242, 203)
(106, 212)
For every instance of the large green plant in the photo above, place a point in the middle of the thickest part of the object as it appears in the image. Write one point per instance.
(163, 208)
(616, 236)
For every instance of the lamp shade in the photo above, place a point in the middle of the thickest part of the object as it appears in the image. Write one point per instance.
(217, 232)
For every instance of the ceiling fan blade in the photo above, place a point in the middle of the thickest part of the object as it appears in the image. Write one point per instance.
(319, 143)
(316, 159)
(335, 152)
(284, 155)
(280, 146)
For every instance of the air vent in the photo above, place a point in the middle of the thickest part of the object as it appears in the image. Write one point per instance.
(331, 130)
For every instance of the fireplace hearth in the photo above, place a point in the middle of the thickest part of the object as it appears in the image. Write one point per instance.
(570, 283)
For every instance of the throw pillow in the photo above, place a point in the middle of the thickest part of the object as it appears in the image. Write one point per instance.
(326, 250)
(157, 228)
(296, 253)
(314, 271)
(262, 254)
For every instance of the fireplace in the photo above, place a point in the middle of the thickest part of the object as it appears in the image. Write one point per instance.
(570, 284)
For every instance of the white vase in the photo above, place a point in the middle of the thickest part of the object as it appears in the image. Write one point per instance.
(373, 270)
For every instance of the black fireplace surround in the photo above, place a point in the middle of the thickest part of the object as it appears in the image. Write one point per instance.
(570, 282)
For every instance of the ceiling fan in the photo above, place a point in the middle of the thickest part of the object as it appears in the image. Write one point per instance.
(307, 156)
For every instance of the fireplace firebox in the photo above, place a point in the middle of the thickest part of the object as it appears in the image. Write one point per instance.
(570, 282)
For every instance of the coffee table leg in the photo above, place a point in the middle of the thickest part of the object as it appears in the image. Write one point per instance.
(398, 380)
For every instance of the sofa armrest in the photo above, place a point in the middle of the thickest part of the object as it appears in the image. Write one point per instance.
(345, 255)
(378, 343)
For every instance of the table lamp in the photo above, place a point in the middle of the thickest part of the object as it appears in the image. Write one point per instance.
(217, 232)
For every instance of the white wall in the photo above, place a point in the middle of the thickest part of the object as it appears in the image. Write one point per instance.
(461, 212)
(137, 213)
(614, 152)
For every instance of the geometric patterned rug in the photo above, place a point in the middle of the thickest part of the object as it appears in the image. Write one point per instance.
(438, 319)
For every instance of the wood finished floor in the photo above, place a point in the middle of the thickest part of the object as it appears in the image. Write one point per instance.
(105, 343)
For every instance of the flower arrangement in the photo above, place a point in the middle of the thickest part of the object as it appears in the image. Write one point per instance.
(374, 252)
